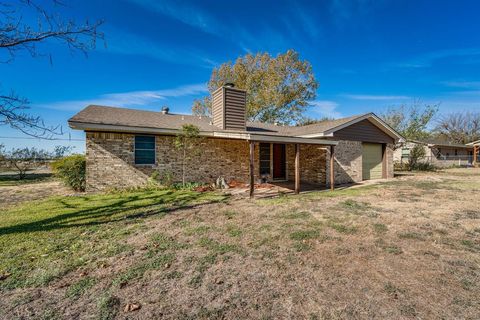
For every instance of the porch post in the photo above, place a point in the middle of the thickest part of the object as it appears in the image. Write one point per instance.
(332, 169)
(475, 150)
(252, 159)
(297, 168)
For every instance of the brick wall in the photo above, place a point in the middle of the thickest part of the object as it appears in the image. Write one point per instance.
(110, 161)
(348, 162)
(389, 150)
(312, 163)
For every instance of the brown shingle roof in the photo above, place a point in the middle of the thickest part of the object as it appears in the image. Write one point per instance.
(104, 115)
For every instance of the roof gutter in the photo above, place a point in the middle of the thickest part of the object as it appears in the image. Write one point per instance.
(272, 138)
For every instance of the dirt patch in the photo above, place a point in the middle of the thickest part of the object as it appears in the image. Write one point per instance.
(405, 248)
(15, 194)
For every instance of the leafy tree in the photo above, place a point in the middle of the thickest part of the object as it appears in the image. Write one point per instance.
(305, 121)
(187, 142)
(460, 127)
(416, 154)
(411, 122)
(278, 88)
(17, 36)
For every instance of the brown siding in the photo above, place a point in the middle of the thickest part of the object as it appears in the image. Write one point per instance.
(363, 131)
(217, 108)
(235, 103)
(228, 108)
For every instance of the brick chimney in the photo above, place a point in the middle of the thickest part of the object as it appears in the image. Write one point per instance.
(228, 108)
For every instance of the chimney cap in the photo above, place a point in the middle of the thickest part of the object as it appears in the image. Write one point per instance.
(229, 85)
(165, 109)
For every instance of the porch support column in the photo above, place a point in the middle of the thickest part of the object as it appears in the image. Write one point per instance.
(297, 168)
(332, 169)
(475, 151)
(252, 159)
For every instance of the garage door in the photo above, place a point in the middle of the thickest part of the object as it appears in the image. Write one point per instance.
(372, 161)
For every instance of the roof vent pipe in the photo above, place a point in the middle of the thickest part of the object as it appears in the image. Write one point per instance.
(165, 110)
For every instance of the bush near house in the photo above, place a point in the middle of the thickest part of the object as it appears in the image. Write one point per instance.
(71, 170)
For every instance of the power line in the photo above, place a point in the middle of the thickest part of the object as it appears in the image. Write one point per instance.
(33, 138)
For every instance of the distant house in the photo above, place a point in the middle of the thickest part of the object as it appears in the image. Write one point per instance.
(476, 151)
(438, 153)
(124, 146)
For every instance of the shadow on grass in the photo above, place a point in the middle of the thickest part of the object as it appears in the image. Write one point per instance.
(14, 179)
(124, 208)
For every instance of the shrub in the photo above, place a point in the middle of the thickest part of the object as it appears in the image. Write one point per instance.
(71, 170)
(424, 166)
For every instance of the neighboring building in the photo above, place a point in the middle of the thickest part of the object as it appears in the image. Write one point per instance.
(124, 147)
(475, 145)
(438, 153)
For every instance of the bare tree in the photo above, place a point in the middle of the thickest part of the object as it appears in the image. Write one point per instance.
(17, 35)
(412, 122)
(460, 127)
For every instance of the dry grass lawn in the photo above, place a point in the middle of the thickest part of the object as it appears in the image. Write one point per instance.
(406, 248)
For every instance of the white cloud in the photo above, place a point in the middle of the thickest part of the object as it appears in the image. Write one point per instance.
(374, 97)
(187, 13)
(326, 108)
(133, 44)
(462, 84)
(427, 59)
(128, 99)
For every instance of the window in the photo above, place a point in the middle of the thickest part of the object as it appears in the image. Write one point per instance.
(456, 152)
(144, 150)
(264, 158)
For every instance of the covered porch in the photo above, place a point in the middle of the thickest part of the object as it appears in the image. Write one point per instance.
(275, 164)
(301, 150)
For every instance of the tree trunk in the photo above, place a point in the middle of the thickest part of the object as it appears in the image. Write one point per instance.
(183, 166)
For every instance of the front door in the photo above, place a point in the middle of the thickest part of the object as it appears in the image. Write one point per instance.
(279, 162)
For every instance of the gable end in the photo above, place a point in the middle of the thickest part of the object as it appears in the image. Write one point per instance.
(364, 131)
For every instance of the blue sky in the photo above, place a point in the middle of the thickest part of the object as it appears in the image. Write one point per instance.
(366, 55)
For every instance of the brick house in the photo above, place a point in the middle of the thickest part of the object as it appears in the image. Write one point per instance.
(124, 146)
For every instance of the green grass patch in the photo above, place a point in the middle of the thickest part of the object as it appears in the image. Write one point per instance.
(234, 231)
(305, 234)
(108, 306)
(43, 240)
(389, 248)
(412, 235)
(354, 205)
(380, 228)
(216, 247)
(230, 214)
(298, 215)
(342, 228)
(197, 231)
(80, 287)
(136, 272)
